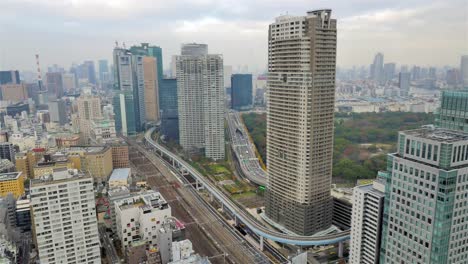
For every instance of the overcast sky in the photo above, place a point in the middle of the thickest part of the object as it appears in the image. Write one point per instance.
(423, 32)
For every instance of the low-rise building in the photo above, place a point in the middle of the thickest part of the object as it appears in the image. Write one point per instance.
(12, 182)
(139, 217)
(120, 177)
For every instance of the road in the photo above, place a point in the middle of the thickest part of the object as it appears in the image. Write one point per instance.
(245, 150)
(202, 217)
(107, 243)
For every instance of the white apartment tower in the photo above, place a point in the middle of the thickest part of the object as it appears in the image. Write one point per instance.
(366, 223)
(200, 95)
(64, 218)
(301, 98)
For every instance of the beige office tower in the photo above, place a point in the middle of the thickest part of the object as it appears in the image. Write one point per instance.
(89, 108)
(200, 96)
(151, 89)
(301, 96)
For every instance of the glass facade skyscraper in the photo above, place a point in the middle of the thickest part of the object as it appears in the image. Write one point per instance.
(453, 110)
(426, 189)
(241, 91)
(9, 77)
(169, 112)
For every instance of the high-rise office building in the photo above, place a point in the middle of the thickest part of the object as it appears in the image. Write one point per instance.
(129, 86)
(58, 111)
(90, 71)
(464, 70)
(300, 109)
(151, 89)
(366, 222)
(69, 83)
(54, 84)
(64, 218)
(425, 207)
(14, 92)
(124, 110)
(432, 73)
(453, 111)
(453, 77)
(194, 49)
(89, 108)
(377, 68)
(227, 76)
(200, 98)
(169, 111)
(389, 71)
(404, 81)
(241, 91)
(415, 73)
(103, 71)
(7, 77)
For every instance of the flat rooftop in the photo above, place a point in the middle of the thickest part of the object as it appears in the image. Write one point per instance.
(59, 175)
(9, 176)
(147, 201)
(437, 134)
(88, 149)
(120, 174)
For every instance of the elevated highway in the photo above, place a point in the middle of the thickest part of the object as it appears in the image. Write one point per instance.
(240, 214)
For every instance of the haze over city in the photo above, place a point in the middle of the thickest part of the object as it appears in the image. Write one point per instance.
(408, 32)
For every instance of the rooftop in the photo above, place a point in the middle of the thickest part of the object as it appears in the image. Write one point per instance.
(59, 175)
(147, 201)
(88, 149)
(437, 134)
(9, 176)
(120, 174)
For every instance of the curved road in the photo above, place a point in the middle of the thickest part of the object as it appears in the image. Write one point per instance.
(240, 213)
(245, 150)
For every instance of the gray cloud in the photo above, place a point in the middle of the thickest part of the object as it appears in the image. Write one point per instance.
(408, 32)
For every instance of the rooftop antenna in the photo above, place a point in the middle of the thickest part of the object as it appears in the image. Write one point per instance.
(39, 74)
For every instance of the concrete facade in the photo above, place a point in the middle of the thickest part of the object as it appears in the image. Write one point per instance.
(300, 109)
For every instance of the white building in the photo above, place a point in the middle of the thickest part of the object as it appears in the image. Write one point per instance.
(366, 223)
(200, 95)
(139, 217)
(64, 218)
(119, 177)
(181, 250)
(102, 131)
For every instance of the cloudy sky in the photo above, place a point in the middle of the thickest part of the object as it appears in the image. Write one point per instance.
(423, 32)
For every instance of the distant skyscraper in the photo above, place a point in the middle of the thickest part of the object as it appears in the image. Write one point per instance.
(169, 111)
(103, 71)
(377, 68)
(464, 70)
(58, 111)
(7, 151)
(194, 49)
(129, 79)
(173, 66)
(9, 77)
(64, 219)
(432, 73)
(90, 71)
(416, 73)
(366, 223)
(453, 112)
(151, 96)
(389, 71)
(241, 91)
(404, 80)
(54, 84)
(453, 77)
(227, 76)
(69, 83)
(425, 207)
(200, 98)
(124, 110)
(14, 92)
(300, 109)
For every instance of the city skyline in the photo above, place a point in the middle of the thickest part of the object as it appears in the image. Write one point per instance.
(240, 32)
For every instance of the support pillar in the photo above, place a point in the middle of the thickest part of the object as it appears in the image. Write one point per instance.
(211, 197)
(340, 249)
(261, 243)
(236, 221)
(222, 207)
(173, 162)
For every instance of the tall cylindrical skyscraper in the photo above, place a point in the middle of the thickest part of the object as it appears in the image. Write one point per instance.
(301, 97)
